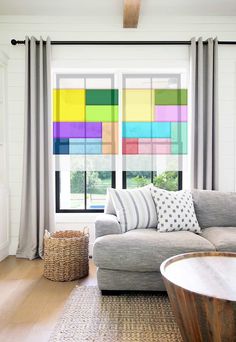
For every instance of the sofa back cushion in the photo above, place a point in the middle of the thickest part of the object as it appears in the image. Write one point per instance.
(215, 208)
(109, 207)
(134, 208)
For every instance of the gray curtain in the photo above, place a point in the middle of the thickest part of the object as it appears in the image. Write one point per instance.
(204, 82)
(37, 206)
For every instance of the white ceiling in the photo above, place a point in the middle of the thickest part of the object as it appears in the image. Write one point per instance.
(114, 7)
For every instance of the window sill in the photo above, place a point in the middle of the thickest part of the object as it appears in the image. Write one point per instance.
(75, 217)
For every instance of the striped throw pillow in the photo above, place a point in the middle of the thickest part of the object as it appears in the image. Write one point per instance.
(134, 208)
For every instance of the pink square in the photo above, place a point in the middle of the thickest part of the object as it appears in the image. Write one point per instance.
(154, 146)
(171, 113)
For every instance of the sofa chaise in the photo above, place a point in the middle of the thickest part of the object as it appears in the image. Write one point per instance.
(131, 260)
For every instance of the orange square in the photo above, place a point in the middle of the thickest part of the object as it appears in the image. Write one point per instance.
(110, 137)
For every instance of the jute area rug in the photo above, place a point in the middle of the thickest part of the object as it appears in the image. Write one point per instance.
(89, 316)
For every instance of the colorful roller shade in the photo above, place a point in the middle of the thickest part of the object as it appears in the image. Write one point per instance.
(155, 121)
(85, 121)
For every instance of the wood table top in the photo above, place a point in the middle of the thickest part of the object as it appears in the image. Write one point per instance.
(208, 273)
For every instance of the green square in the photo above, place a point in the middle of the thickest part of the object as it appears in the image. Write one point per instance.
(101, 96)
(179, 137)
(102, 113)
(171, 96)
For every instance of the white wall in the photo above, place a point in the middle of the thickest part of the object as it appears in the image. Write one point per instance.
(107, 28)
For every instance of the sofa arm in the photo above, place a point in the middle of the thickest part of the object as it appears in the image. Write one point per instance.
(106, 224)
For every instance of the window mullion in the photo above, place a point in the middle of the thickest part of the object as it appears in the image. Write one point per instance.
(85, 190)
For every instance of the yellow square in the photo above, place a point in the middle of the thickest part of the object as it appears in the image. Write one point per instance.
(68, 105)
(138, 105)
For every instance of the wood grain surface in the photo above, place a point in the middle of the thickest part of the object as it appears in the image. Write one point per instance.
(30, 304)
(201, 288)
(131, 13)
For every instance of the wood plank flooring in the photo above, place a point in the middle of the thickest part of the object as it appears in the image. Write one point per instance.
(29, 303)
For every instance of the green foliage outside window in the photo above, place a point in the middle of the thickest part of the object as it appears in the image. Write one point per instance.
(167, 180)
(76, 182)
(93, 182)
(98, 182)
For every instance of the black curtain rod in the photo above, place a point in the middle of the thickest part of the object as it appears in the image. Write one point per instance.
(121, 42)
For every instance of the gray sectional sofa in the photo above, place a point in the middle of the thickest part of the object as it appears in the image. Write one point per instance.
(131, 261)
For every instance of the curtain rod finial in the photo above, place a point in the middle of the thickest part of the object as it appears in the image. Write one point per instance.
(13, 42)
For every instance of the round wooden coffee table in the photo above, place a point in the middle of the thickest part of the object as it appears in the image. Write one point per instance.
(202, 292)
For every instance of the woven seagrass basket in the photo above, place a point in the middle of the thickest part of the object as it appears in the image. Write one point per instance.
(66, 255)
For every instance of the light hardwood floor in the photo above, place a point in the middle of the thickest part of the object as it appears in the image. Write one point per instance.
(29, 303)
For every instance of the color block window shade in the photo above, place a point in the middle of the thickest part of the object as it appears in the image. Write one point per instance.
(92, 113)
(154, 129)
(85, 122)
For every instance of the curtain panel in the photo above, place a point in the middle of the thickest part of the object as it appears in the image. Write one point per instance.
(37, 203)
(204, 83)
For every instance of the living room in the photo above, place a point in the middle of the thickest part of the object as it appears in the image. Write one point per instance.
(117, 170)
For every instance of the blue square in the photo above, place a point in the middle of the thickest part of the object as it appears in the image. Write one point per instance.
(60, 146)
(93, 146)
(77, 146)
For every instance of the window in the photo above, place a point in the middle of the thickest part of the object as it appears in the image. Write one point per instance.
(85, 136)
(82, 191)
(117, 128)
(154, 130)
(168, 180)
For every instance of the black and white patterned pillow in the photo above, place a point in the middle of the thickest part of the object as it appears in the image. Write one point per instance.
(175, 210)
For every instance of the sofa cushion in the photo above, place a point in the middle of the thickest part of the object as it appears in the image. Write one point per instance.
(215, 208)
(109, 207)
(223, 238)
(144, 250)
(134, 208)
(175, 210)
(106, 224)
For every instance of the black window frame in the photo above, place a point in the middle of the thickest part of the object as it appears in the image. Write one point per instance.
(113, 185)
(180, 179)
(58, 190)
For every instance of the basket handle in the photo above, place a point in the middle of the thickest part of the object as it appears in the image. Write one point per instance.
(86, 231)
(47, 234)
